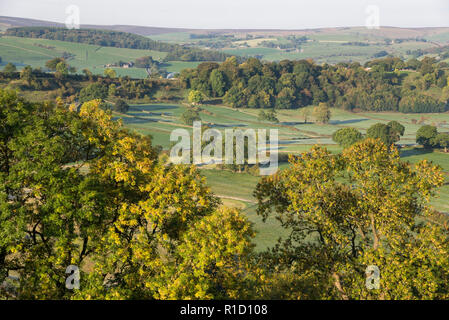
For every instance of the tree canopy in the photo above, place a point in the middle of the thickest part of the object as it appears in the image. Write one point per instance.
(295, 84)
(364, 207)
(346, 137)
(79, 189)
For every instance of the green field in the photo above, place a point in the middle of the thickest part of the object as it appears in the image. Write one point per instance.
(35, 52)
(295, 135)
(323, 45)
(236, 189)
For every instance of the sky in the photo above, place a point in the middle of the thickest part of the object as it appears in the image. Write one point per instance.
(238, 14)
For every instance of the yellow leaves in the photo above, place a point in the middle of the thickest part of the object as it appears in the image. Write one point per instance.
(16, 248)
(72, 108)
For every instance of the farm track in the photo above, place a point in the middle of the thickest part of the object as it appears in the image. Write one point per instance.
(236, 198)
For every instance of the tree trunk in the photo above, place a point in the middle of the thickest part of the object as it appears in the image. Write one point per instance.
(337, 284)
(375, 235)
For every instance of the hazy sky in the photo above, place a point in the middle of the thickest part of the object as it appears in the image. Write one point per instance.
(278, 14)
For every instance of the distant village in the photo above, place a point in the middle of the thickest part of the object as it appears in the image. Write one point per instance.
(131, 64)
(120, 64)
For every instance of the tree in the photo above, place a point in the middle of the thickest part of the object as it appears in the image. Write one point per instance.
(268, 116)
(195, 97)
(135, 227)
(347, 212)
(88, 74)
(63, 69)
(189, 116)
(110, 73)
(285, 99)
(121, 106)
(51, 64)
(442, 140)
(346, 137)
(210, 264)
(27, 74)
(112, 90)
(217, 82)
(322, 113)
(396, 130)
(146, 62)
(93, 91)
(305, 113)
(55, 231)
(426, 135)
(382, 132)
(9, 68)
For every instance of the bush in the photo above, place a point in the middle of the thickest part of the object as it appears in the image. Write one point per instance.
(426, 135)
(346, 137)
(121, 106)
(189, 116)
(270, 116)
(93, 91)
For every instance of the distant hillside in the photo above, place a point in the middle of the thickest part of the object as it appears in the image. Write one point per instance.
(11, 22)
(117, 39)
(189, 46)
(385, 32)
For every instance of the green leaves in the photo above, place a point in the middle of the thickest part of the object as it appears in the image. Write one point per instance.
(345, 212)
(346, 137)
(78, 189)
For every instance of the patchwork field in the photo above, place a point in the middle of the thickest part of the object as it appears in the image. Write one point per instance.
(323, 45)
(35, 52)
(236, 189)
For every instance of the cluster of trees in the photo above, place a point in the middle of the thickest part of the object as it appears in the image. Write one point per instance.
(126, 88)
(270, 116)
(117, 39)
(85, 87)
(364, 207)
(388, 134)
(60, 65)
(379, 86)
(190, 115)
(429, 137)
(61, 80)
(76, 188)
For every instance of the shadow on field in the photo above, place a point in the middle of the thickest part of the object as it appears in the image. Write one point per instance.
(149, 114)
(138, 120)
(218, 125)
(341, 122)
(293, 123)
(414, 152)
(292, 141)
(150, 108)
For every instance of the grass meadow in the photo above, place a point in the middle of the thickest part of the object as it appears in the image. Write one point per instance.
(296, 136)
